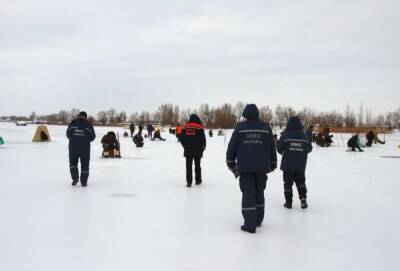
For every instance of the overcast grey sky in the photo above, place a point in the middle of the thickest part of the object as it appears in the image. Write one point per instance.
(134, 55)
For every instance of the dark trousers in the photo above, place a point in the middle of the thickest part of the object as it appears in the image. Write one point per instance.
(299, 179)
(252, 186)
(189, 169)
(157, 137)
(73, 165)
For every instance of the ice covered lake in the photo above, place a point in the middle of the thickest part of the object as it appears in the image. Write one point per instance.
(137, 214)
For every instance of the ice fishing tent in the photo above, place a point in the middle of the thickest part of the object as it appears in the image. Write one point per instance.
(41, 134)
(1, 141)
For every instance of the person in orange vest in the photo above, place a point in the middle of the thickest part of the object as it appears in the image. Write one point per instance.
(193, 140)
(178, 132)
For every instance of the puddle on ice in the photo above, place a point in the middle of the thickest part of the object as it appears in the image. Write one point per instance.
(137, 158)
(121, 195)
(126, 158)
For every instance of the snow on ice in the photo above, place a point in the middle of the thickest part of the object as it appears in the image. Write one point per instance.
(137, 214)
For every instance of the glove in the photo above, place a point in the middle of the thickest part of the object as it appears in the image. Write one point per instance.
(233, 168)
(231, 164)
(235, 172)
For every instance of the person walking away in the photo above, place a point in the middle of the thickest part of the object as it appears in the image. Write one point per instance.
(150, 130)
(294, 145)
(80, 133)
(251, 154)
(193, 140)
(132, 128)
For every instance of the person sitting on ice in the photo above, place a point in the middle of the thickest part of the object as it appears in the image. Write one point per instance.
(372, 137)
(211, 133)
(355, 143)
(326, 133)
(320, 140)
(138, 138)
(157, 135)
(126, 134)
(324, 140)
(111, 147)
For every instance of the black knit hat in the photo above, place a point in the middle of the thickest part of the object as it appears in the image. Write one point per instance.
(83, 114)
(194, 118)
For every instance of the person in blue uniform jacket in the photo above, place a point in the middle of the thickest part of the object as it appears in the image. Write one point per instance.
(80, 133)
(294, 145)
(251, 155)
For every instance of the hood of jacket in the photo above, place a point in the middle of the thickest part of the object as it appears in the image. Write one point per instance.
(294, 123)
(251, 112)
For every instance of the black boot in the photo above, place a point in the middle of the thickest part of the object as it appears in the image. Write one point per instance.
(198, 182)
(189, 185)
(304, 204)
(75, 182)
(288, 204)
(243, 228)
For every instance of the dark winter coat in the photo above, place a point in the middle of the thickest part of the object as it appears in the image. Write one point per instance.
(80, 133)
(371, 137)
(193, 138)
(110, 141)
(354, 142)
(294, 145)
(132, 127)
(251, 145)
(150, 128)
(138, 138)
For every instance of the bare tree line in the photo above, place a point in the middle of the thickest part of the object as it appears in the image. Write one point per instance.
(226, 116)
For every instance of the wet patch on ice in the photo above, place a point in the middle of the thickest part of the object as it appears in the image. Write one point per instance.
(390, 156)
(121, 195)
(137, 158)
